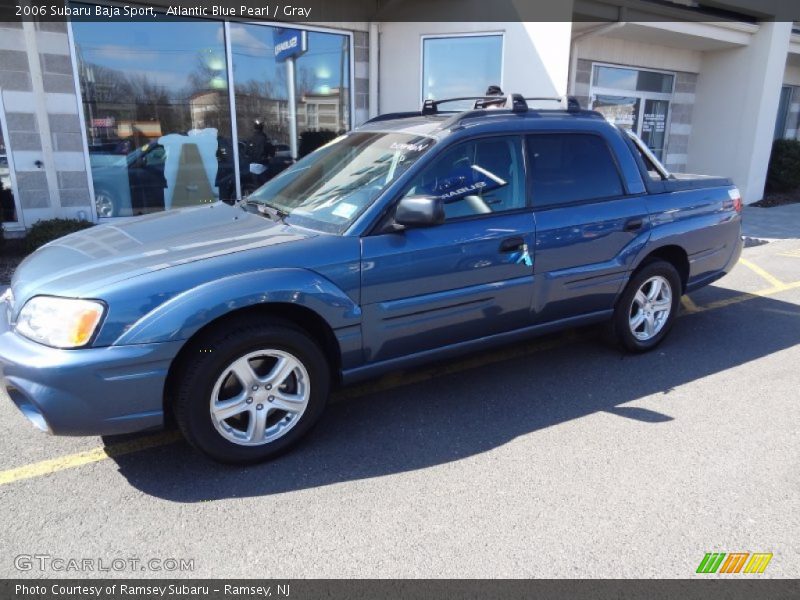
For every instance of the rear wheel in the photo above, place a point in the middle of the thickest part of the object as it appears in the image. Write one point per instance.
(248, 392)
(648, 307)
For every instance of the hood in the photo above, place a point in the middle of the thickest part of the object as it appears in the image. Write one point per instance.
(79, 264)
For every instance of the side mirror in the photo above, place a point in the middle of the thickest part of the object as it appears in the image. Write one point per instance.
(419, 211)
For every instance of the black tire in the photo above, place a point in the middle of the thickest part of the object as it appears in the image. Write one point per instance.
(205, 362)
(620, 326)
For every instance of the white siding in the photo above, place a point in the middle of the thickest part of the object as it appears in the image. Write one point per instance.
(626, 52)
(535, 58)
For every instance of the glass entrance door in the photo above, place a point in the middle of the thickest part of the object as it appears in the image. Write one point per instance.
(619, 110)
(650, 124)
(635, 99)
(654, 126)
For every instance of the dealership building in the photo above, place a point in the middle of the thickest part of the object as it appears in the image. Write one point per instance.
(101, 120)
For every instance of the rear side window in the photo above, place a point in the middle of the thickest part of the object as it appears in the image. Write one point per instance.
(571, 167)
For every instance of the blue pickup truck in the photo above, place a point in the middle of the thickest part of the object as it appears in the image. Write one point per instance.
(415, 237)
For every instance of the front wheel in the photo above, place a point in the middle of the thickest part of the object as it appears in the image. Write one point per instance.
(250, 391)
(647, 307)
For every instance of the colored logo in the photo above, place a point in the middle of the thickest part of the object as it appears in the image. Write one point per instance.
(736, 562)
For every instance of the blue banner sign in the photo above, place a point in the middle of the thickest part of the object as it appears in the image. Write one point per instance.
(289, 42)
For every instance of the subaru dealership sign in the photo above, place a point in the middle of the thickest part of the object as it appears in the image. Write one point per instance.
(289, 43)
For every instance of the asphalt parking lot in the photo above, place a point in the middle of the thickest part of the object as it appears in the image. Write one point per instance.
(559, 457)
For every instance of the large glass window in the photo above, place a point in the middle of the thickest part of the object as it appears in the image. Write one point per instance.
(571, 167)
(478, 177)
(322, 93)
(632, 79)
(461, 66)
(157, 114)
(8, 208)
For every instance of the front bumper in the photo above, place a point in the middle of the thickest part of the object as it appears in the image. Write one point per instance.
(90, 391)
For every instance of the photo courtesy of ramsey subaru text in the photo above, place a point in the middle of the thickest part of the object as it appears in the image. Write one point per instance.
(415, 237)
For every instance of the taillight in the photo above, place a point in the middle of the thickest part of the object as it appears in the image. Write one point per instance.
(737, 199)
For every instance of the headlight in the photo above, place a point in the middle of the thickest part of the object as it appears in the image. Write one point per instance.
(59, 322)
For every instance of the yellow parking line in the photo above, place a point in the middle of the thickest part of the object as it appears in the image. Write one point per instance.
(750, 296)
(389, 382)
(777, 283)
(688, 305)
(394, 380)
(79, 459)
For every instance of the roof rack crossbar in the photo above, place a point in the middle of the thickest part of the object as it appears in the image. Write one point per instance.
(508, 104)
(513, 101)
(515, 104)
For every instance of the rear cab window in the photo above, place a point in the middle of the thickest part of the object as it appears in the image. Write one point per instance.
(565, 168)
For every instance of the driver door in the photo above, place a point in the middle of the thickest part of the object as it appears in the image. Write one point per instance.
(425, 288)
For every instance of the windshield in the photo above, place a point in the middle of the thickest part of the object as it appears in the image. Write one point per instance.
(331, 187)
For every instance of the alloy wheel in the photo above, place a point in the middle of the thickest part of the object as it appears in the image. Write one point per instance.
(104, 204)
(650, 308)
(260, 397)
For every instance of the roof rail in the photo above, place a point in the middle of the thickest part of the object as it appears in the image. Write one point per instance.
(394, 115)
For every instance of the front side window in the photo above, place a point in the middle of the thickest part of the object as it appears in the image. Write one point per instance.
(571, 167)
(453, 67)
(481, 176)
(158, 119)
(330, 188)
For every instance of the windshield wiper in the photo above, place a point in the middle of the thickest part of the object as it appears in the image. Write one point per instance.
(272, 212)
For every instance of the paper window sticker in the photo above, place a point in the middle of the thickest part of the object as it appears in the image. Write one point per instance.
(345, 210)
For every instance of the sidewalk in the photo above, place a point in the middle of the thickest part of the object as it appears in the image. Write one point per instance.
(776, 223)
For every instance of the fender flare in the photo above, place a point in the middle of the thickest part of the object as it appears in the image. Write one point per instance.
(180, 317)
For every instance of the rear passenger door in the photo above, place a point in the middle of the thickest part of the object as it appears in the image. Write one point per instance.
(589, 229)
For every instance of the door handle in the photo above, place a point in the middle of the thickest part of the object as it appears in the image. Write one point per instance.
(512, 244)
(634, 224)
